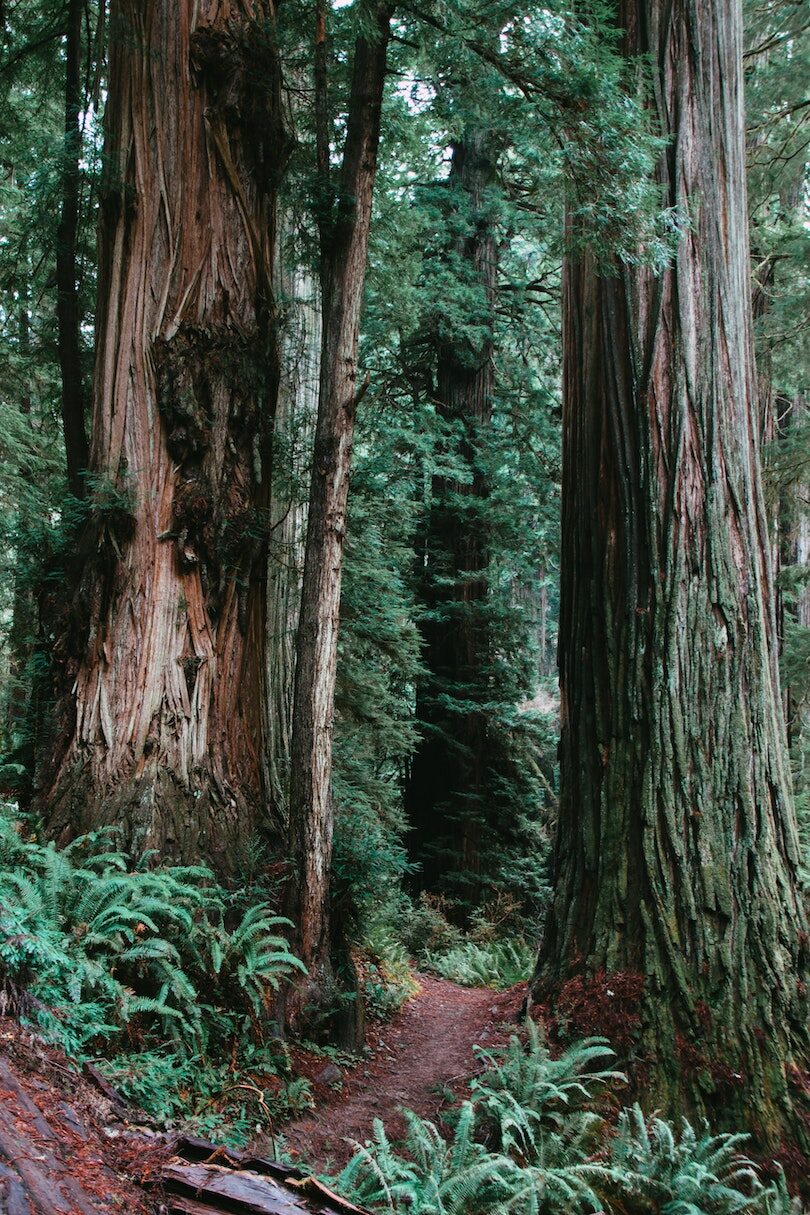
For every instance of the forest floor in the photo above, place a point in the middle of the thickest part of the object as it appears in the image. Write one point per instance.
(67, 1146)
(421, 1059)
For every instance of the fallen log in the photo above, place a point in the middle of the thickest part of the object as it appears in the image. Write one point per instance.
(203, 1179)
(67, 1147)
(48, 1165)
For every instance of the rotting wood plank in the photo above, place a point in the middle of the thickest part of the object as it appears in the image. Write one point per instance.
(202, 1178)
(243, 1191)
(36, 1174)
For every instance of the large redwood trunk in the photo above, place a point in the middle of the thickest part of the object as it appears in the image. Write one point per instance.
(676, 852)
(447, 790)
(163, 650)
(344, 253)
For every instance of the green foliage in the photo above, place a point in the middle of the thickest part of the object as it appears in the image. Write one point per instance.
(694, 1173)
(426, 929)
(32, 474)
(388, 979)
(777, 64)
(532, 1140)
(106, 956)
(378, 662)
(525, 1088)
(496, 964)
(433, 1176)
(479, 1167)
(253, 958)
(776, 1200)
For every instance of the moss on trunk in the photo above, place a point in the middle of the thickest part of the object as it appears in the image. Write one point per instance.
(676, 852)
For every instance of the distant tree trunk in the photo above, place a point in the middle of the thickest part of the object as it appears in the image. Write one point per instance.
(21, 722)
(344, 254)
(446, 790)
(297, 409)
(67, 290)
(794, 550)
(164, 645)
(676, 851)
(801, 537)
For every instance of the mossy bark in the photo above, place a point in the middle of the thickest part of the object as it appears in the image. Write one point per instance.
(160, 660)
(676, 850)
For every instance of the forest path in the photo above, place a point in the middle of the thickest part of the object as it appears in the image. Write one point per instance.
(417, 1060)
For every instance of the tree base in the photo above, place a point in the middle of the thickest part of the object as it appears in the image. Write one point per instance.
(735, 1077)
(153, 810)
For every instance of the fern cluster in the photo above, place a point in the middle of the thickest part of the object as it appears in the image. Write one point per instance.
(106, 956)
(497, 964)
(534, 1140)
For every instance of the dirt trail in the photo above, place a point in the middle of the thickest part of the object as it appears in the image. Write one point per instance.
(420, 1054)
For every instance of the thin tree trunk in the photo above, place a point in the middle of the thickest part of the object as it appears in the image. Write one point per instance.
(21, 721)
(67, 298)
(676, 851)
(164, 642)
(793, 509)
(446, 793)
(295, 421)
(344, 253)
(801, 540)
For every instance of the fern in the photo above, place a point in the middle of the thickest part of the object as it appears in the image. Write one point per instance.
(530, 1142)
(691, 1173)
(431, 1176)
(106, 956)
(496, 964)
(524, 1089)
(254, 956)
(100, 943)
(775, 1200)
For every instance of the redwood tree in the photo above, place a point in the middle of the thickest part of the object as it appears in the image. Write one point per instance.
(68, 311)
(159, 662)
(676, 851)
(446, 793)
(344, 249)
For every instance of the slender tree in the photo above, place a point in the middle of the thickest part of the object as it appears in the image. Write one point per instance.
(68, 312)
(676, 850)
(300, 344)
(344, 249)
(160, 661)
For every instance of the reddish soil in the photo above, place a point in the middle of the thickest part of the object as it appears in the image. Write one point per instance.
(57, 1156)
(67, 1147)
(422, 1059)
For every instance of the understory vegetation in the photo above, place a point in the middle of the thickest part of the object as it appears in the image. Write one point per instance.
(405, 571)
(156, 973)
(539, 1134)
(165, 980)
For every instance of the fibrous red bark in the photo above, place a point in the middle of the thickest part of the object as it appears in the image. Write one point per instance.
(344, 252)
(161, 659)
(676, 854)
